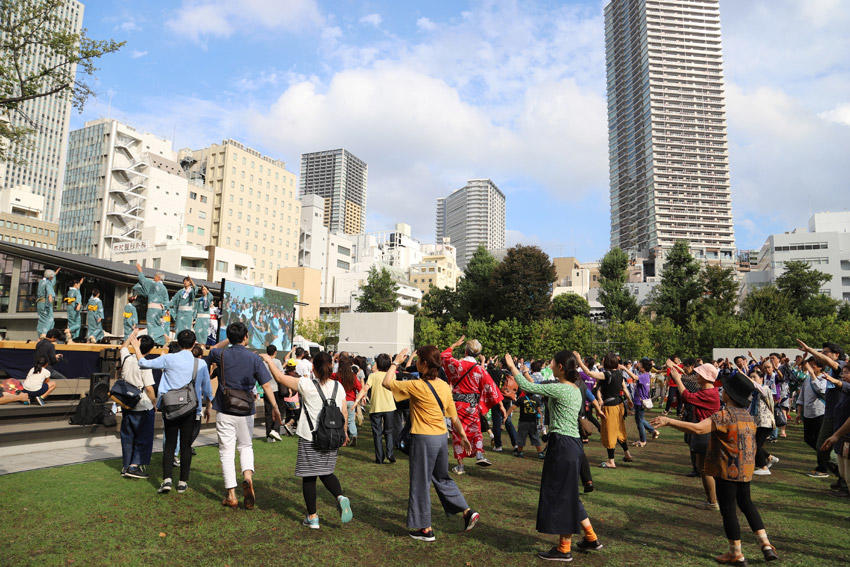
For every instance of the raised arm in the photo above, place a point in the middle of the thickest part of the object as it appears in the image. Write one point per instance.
(389, 378)
(700, 428)
(290, 382)
(676, 375)
(362, 394)
(586, 370)
(819, 355)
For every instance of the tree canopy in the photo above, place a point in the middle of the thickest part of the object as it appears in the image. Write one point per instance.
(37, 31)
(569, 305)
(677, 293)
(620, 305)
(522, 282)
(379, 293)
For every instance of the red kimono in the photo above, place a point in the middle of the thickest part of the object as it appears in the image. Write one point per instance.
(474, 393)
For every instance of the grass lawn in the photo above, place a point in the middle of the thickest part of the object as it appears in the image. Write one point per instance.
(643, 513)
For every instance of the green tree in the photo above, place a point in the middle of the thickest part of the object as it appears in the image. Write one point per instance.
(801, 284)
(619, 303)
(677, 294)
(844, 311)
(474, 288)
(719, 290)
(379, 293)
(38, 55)
(318, 331)
(767, 301)
(442, 305)
(569, 305)
(523, 284)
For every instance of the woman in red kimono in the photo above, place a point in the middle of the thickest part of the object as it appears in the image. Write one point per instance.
(474, 393)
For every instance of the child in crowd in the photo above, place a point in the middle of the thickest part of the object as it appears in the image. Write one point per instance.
(37, 384)
(530, 412)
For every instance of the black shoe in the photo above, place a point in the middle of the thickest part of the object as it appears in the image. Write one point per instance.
(588, 487)
(165, 487)
(555, 555)
(422, 535)
(379, 462)
(194, 452)
(134, 471)
(585, 545)
(470, 519)
(692, 474)
(769, 553)
(391, 459)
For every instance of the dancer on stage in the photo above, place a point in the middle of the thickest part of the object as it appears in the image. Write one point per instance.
(74, 307)
(183, 306)
(131, 316)
(157, 317)
(474, 393)
(45, 299)
(559, 509)
(203, 302)
(94, 317)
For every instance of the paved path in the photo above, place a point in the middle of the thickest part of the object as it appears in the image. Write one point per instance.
(19, 458)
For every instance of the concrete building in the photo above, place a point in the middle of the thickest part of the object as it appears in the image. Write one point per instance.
(125, 191)
(668, 150)
(576, 277)
(472, 216)
(42, 164)
(308, 282)
(438, 267)
(825, 246)
(340, 178)
(207, 263)
(22, 219)
(370, 334)
(255, 209)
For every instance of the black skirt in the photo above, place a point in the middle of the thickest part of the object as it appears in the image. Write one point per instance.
(560, 510)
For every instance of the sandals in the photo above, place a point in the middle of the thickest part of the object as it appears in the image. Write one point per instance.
(605, 465)
(769, 553)
(730, 559)
(639, 444)
(656, 434)
(628, 459)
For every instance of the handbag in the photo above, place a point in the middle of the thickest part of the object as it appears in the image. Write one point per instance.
(125, 394)
(234, 402)
(179, 402)
(647, 403)
(779, 416)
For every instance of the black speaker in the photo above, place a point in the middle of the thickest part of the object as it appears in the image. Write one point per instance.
(99, 387)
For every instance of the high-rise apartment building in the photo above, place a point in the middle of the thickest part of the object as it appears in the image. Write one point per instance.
(42, 164)
(125, 191)
(256, 209)
(668, 150)
(472, 216)
(340, 179)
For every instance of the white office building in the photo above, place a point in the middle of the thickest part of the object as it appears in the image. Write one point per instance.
(668, 149)
(42, 164)
(472, 216)
(825, 246)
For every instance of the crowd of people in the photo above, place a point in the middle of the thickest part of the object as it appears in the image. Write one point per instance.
(731, 413)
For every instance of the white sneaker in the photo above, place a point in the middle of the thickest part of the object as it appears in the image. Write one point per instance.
(771, 460)
(274, 435)
(271, 439)
(762, 472)
(458, 469)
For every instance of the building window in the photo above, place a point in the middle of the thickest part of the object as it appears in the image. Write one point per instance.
(31, 274)
(341, 264)
(202, 214)
(5, 281)
(203, 198)
(190, 228)
(156, 263)
(221, 266)
(193, 195)
(200, 231)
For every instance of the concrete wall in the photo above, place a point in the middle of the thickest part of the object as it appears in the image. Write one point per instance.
(370, 334)
(731, 353)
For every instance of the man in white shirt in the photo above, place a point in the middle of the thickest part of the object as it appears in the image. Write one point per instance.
(304, 368)
(137, 423)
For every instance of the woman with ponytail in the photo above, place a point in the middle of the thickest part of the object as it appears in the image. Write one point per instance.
(559, 509)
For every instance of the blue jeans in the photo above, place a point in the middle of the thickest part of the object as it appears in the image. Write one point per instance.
(352, 424)
(137, 437)
(642, 424)
(498, 420)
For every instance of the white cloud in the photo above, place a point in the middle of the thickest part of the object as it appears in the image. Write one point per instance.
(840, 114)
(426, 24)
(129, 26)
(197, 19)
(136, 54)
(372, 20)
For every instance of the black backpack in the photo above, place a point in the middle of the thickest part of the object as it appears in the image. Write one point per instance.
(329, 433)
(86, 412)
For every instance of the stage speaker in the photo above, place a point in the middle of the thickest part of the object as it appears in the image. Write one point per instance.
(99, 387)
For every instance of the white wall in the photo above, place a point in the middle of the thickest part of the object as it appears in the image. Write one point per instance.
(370, 334)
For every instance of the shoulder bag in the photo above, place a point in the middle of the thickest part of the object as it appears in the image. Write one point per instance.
(234, 402)
(181, 401)
(123, 393)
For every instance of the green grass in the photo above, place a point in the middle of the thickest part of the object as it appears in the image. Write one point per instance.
(88, 515)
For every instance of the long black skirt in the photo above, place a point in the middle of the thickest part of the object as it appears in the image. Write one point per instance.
(560, 510)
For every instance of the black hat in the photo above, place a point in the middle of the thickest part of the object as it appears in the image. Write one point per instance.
(738, 387)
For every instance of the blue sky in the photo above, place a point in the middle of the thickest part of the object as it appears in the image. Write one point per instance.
(431, 94)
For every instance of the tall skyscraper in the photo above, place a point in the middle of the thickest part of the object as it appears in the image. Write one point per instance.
(472, 216)
(256, 210)
(668, 150)
(43, 167)
(340, 179)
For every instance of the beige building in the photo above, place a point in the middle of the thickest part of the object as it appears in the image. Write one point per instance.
(573, 276)
(21, 219)
(438, 267)
(255, 205)
(308, 282)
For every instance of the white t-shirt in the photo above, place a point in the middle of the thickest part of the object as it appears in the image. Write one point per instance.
(140, 378)
(304, 368)
(311, 402)
(34, 380)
